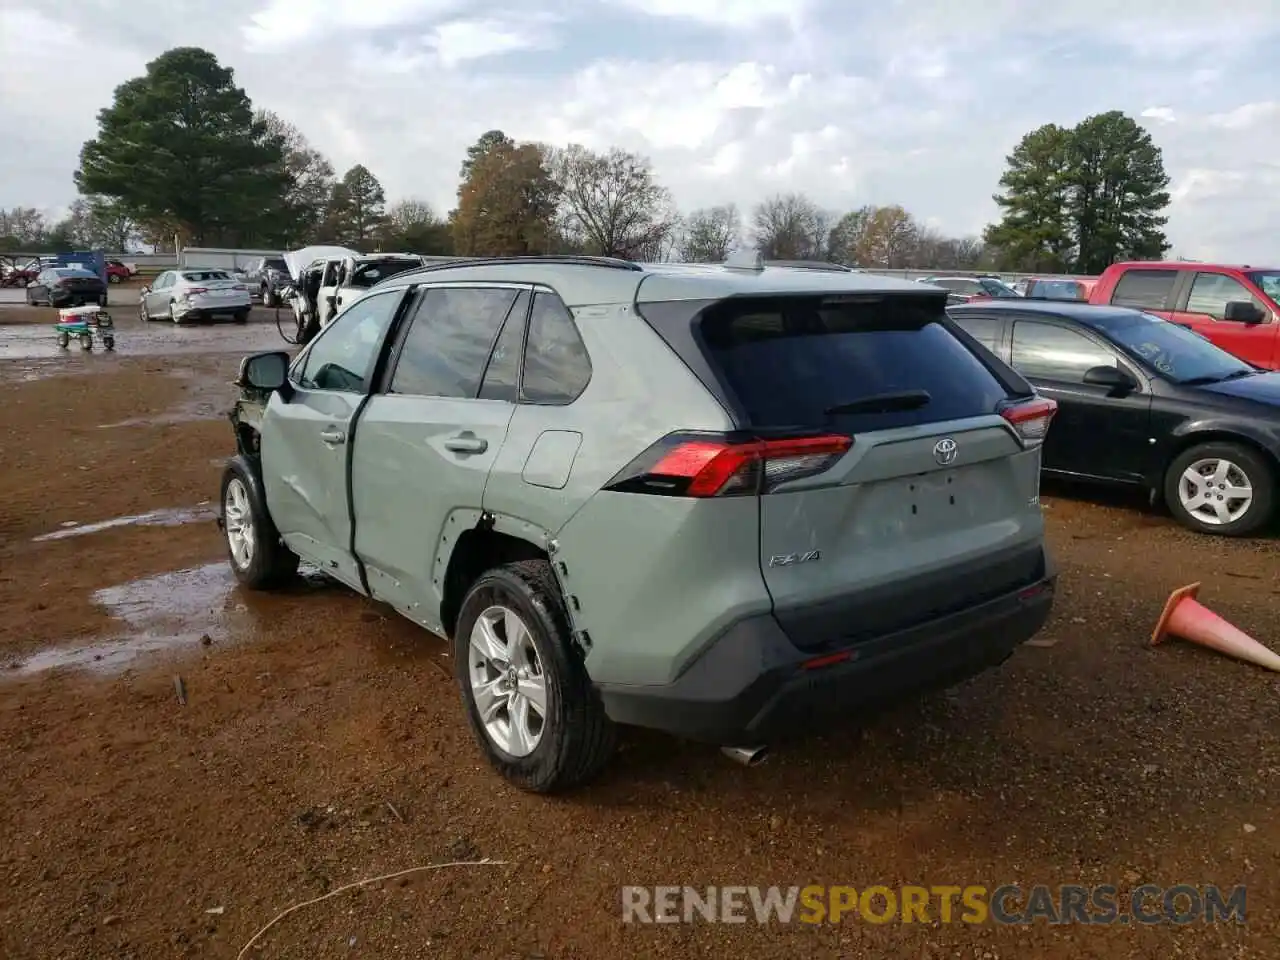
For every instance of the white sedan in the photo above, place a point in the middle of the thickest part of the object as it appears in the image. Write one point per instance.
(195, 294)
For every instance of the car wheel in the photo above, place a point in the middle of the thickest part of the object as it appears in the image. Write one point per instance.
(527, 695)
(268, 297)
(1221, 488)
(113, 278)
(258, 557)
(242, 316)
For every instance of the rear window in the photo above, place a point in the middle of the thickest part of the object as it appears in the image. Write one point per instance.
(792, 361)
(1144, 289)
(204, 276)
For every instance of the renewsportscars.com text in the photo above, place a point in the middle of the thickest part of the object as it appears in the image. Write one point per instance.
(1007, 904)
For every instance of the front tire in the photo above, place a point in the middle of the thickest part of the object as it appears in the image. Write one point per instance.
(528, 698)
(258, 557)
(268, 297)
(1221, 488)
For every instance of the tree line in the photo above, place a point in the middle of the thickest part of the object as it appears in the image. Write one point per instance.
(181, 155)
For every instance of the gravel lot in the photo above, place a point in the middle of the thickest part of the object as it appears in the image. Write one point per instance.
(323, 741)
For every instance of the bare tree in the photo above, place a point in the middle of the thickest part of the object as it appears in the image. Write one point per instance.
(791, 227)
(711, 234)
(24, 225)
(610, 204)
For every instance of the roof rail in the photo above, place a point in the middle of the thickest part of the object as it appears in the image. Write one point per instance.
(612, 263)
(810, 265)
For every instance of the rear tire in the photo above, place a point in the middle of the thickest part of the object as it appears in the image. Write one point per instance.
(574, 738)
(1200, 481)
(242, 316)
(268, 297)
(258, 557)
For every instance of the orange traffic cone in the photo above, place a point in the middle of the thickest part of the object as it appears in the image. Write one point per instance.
(1184, 617)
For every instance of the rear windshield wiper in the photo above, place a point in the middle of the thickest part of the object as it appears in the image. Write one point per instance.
(883, 403)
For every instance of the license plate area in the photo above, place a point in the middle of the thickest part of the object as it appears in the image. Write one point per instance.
(939, 501)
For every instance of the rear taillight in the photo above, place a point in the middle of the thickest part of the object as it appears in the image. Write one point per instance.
(192, 291)
(239, 286)
(700, 465)
(1031, 418)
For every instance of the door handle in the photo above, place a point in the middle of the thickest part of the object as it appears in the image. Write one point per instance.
(333, 437)
(466, 444)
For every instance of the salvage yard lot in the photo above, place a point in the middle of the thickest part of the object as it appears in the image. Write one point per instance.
(323, 741)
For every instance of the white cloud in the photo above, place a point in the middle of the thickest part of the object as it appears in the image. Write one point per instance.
(461, 41)
(911, 101)
(721, 13)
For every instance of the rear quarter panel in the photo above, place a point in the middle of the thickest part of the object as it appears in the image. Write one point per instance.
(650, 579)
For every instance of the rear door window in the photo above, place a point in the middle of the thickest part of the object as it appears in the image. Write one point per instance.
(449, 341)
(986, 330)
(1046, 351)
(793, 362)
(1144, 289)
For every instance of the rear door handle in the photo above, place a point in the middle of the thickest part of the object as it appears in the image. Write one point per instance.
(465, 444)
(333, 437)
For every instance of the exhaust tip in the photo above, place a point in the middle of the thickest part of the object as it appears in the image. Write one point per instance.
(747, 756)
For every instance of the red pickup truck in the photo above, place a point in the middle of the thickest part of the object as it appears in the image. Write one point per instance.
(1237, 308)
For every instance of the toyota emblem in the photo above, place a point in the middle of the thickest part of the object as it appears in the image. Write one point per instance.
(944, 451)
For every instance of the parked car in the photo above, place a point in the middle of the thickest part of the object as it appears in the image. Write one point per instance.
(1059, 288)
(351, 276)
(1146, 403)
(965, 289)
(720, 502)
(66, 287)
(266, 277)
(119, 271)
(183, 295)
(1238, 308)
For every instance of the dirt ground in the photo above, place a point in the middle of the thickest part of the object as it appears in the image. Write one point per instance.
(323, 742)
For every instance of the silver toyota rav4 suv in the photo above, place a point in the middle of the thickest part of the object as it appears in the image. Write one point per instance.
(721, 501)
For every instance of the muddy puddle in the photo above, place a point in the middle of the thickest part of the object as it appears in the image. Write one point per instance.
(36, 341)
(156, 518)
(182, 612)
(171, 611)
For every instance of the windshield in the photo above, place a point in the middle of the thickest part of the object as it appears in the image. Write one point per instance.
(1056, 289)
(1268, 281)
(1178, 353)
(367, 274)
(73, 272)
(997, 288)
(279, 265)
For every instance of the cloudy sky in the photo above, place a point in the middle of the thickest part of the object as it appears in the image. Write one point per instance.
(912, 101)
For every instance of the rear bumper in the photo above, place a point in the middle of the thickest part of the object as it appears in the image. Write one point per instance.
(209, 310)
(754, 685)
(62, 297)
